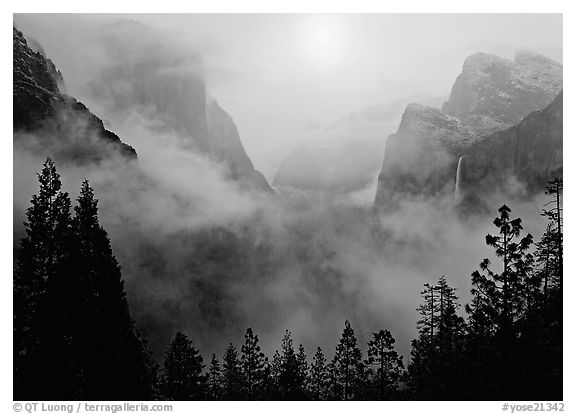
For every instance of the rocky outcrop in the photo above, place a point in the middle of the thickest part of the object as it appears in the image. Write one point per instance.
(490, 95)
(346, 156)
(422, 154)
(225, 145)
(493, 93)
(50, 122)
(529, 153)
(167, 85)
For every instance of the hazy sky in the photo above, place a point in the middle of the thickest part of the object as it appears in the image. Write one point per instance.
(282, 75)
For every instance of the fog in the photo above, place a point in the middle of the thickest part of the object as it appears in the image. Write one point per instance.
(200, 254)
(283, 75)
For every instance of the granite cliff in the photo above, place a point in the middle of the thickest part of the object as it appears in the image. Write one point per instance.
(48, 121)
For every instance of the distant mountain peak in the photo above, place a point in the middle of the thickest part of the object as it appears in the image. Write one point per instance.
(492, 93)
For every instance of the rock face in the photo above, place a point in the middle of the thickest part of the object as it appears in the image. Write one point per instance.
(346, 156)
(422, 154)
(491, 94)
(531, 152)
(48, 121)
(167, 84)
(226, 147)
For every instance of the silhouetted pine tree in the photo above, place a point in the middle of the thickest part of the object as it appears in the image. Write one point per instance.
(498, 312)
(182, 377)
(348, 366)
(387, 362)
(272, 377)
(291, 383)
(555, 188)
(113, 361)
(41, 258)
(318, 376)
(303, 369)
(547, 262)
(423, 354)
(73, 334)
(252, 363)
(231, 375)
(503, 291)
(436, 354)
(214, 380)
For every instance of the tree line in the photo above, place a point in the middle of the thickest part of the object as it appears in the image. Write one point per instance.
(74, 337)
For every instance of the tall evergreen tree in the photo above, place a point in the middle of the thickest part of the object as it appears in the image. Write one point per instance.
(428, 322)
(272, 375)
(450, 325)
(253, 363)
(503, 291)
(231, 375)
(42, 256)
(302, 368)
(348, 365)
(388, 363)
(555, 188)
(114, 362)
(214, 380)
(183, 379)
(547, 261)
(318, 376)
(437, 351)
(74, 336)
(290, 381)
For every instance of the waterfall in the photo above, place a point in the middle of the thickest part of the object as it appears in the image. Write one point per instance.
(457, 190)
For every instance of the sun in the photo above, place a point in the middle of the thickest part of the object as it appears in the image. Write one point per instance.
(322, 40)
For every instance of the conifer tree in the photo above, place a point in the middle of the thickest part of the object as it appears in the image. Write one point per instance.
(503, 291)
(546, 257)
(450, 325)
(231, 375)
(253, 363)
(388, 363)
(114, 362)
(318, 376)
(429, 317)
(290, 381)
(348, 365)
(183, 379)
(42, 256)
(273, 369)
(555, 188)
(302, 367)
(214, 380)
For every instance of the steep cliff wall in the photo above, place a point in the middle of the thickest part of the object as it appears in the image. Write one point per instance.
(490, 95)
(50, 122)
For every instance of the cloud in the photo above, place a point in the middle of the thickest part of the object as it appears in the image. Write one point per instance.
(201, 255)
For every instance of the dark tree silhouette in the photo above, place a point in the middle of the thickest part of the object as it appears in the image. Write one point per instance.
(388, 364)
(114, 362)
(429, 311)
(214, 380)
(291, 382)
(74, 337)
(318, 376)
(42, 256)
(253, 363)
(348, 366)
(182, 378)
(303, 368)
(503, 291)
(555, 188)
(231, 375)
